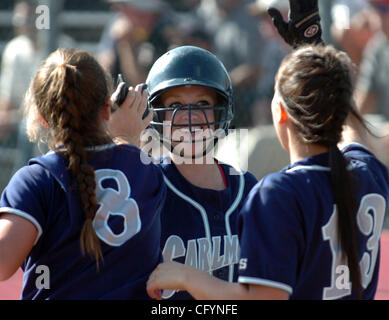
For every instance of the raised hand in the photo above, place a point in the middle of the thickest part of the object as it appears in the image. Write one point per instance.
(131, 118)
(303, 26)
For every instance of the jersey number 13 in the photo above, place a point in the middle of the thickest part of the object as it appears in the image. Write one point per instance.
(370, 219)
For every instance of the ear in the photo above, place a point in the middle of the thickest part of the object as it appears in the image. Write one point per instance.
(106, 110)
(43, 122)
(284, 114)
(281, 116)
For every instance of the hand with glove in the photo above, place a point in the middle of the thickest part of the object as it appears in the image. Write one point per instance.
(303, 26)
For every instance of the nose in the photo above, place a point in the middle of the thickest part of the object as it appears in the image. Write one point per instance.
(196, 116)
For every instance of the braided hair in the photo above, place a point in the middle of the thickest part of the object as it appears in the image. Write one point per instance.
(316, 83)
(68, 93)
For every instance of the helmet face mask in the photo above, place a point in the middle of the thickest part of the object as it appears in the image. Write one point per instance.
(201, 124)
(160, 120)
(190, 66)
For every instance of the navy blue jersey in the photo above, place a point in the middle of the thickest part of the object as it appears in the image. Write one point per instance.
(289, 228)
(199, 226)
(127, 222)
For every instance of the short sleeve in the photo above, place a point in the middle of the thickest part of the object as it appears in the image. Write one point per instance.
(25, 196)
(271, 237)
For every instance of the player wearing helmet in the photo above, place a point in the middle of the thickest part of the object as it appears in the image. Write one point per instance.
(189, 69)
(311, 230)
(191, 95)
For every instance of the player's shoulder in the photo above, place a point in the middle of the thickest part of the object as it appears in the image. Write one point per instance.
(31, 176)
(357, 150)
(273, 197)
(125, 156)
(250, 178)
(122, 149)
(366, 163)
(360, 155)
(280, 180)
(33, 171)
(133, 162)
(281, 184)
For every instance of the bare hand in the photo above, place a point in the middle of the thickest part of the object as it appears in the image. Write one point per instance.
(168, 275)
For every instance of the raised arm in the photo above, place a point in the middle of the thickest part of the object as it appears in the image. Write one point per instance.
(126, 123)
(303, 26)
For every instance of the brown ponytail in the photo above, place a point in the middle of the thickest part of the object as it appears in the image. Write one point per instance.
(316, 84)
(69, 90)
(342, 183)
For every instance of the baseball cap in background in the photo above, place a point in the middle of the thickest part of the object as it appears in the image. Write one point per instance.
(142, 5)
(260, 6)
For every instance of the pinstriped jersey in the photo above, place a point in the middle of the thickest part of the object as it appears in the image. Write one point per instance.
(199, 226)
(127, 223)
(289, 236)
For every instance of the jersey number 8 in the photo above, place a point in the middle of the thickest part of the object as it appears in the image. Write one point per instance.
(115, 202)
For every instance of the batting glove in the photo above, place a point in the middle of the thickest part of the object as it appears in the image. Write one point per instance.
(303, 26)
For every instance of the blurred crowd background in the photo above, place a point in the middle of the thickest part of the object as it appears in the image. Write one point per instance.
(127, 36)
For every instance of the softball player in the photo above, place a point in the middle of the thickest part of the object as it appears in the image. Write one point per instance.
(312, 230)
(82, 193)
(191, 95)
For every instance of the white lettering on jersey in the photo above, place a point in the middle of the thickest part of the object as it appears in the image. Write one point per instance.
(202, 254)
(115, 202)
(370, 219)
(243, 264)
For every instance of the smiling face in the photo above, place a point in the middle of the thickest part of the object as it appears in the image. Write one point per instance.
(200, 98)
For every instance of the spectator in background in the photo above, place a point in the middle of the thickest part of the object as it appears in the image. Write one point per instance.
(274, 50)
(353, 26)
(239, 45)
(134, 39)
(184, 5)
(372, 92)
(210, 15)
(21, 58)
(188, 30)
(19, 61)
(262, 136)
(372, 88)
